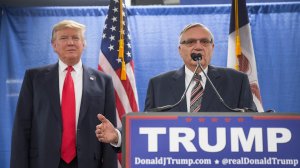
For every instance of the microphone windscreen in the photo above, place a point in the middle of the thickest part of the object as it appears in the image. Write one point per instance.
(196, 56)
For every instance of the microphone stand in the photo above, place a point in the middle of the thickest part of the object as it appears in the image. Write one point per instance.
(217, 93)
(168, 107)
(198, 57)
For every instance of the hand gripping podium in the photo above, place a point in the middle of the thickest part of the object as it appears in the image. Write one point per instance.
(153, 140)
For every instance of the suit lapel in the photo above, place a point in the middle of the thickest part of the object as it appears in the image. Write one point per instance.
(87, 78)
(209, 94)
(177, 87)
(51, 84)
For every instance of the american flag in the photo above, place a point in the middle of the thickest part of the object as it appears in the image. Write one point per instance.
(240, 48)
(110, 62)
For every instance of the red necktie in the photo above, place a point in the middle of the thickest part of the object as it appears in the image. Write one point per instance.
(68, 149)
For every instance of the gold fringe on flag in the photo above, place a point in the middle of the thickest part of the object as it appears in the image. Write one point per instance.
(121, 43)
(238, 50)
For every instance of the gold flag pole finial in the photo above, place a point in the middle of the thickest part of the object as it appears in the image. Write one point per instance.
(121, 43)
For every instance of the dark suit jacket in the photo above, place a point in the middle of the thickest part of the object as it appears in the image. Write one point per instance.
(37, 130)
(232, 85)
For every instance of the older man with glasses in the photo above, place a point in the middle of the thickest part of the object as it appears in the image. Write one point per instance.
(168, 88)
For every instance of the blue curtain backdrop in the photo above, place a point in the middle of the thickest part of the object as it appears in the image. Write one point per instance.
(25, 42)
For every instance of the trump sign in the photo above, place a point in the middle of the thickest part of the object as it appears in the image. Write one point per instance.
(211, 140)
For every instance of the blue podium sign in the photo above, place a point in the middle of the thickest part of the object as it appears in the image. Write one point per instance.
(155, 140)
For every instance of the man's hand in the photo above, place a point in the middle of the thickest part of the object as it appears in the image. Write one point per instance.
(105, 132)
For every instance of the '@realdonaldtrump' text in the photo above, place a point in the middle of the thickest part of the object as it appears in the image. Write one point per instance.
(262, 161)
(184, 162)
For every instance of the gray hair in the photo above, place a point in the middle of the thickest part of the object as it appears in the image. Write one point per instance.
(189, 26)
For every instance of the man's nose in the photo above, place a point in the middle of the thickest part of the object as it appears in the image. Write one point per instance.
(70, 41)
(198, 44)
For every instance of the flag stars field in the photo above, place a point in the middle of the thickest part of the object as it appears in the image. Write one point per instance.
(103, 36)
(111, 47)
(112, 38)
(114, 19)
(115, 9)
(128, 54)
(113, 28)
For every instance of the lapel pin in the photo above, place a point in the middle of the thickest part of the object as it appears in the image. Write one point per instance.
(92, 78)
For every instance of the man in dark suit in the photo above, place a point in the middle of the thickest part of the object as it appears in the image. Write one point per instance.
(232, 85)
(55, 119)
(167, 88)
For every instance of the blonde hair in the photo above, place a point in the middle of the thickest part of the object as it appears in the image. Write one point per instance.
(67, 24)
(186, 28)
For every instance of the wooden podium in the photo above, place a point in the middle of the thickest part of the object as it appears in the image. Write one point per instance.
(206, 139)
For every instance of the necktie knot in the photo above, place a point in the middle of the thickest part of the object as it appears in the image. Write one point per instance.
(197, 78)
(69, 69)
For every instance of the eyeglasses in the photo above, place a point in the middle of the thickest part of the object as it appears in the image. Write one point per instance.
(191, 42)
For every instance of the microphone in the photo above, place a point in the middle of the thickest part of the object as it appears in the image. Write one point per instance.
(198, 57)
(168, 107)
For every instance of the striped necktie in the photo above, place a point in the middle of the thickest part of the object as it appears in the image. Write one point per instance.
(196, 95)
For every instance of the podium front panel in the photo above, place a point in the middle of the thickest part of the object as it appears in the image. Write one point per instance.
(152, 140)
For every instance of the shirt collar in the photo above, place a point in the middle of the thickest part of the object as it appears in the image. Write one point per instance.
(62, 66)
(189, 73)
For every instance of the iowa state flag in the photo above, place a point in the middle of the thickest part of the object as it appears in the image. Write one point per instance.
(240, 48)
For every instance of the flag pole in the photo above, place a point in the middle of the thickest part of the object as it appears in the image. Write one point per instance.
(121, 43)
(238, 50)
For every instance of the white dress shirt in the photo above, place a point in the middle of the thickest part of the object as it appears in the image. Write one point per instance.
(77, 75)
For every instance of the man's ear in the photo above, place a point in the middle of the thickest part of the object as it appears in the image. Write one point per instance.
(53, 45)
(84, 43)
(179, 49)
